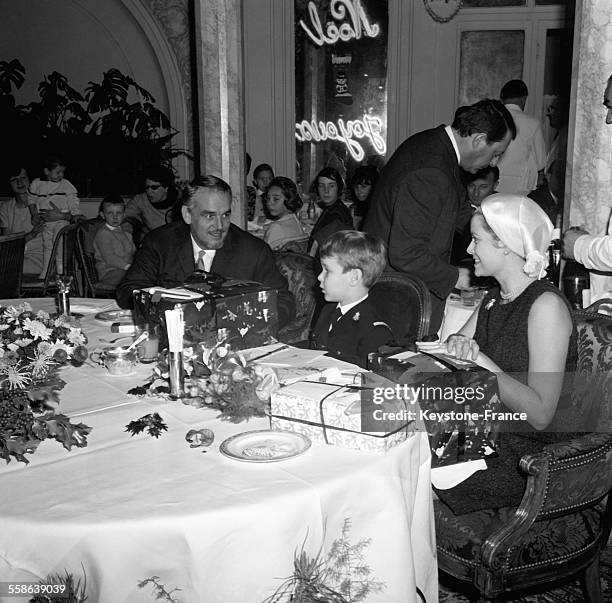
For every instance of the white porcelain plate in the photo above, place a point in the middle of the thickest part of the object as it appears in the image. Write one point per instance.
(122, 316)
(264, 446)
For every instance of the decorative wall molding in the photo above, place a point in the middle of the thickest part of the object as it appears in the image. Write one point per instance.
(163, 22)
(173, 15)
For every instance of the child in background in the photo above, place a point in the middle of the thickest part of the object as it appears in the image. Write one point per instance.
(282, 202)
(362, 186)
(350, 328)
(262, 176)
(327, 187)
(114, 248)
(55, 198)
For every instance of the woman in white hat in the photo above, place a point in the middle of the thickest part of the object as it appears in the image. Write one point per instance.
(523, 331)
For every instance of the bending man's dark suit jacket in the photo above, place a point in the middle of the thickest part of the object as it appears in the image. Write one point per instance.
(418, 202)
(166, 259)
(353, 336)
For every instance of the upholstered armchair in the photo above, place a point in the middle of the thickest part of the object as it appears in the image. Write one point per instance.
(296, 245)
(298, 269)
(565, 515)
(405, 304)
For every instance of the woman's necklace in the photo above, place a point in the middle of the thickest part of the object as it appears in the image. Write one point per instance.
(514, 293)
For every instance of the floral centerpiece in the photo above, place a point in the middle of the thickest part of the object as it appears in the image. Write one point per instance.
(218, 378)
(33, 346)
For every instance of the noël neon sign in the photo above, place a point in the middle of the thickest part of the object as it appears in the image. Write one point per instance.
(369, 127)
(359, 25)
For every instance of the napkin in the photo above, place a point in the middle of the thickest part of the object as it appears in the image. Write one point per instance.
(91, 307)
(449, 476)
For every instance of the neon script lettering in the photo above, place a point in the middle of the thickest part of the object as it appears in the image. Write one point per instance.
(359, 24)
(346, 132)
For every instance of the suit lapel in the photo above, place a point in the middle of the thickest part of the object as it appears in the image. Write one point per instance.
(452, 158)
(222, 262)
(185, 256)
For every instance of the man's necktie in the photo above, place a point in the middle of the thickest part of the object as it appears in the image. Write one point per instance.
(335, 317)
(204, 261)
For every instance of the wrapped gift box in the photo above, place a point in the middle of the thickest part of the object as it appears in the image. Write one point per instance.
(243, 313)
(332, 414)
(457, 400)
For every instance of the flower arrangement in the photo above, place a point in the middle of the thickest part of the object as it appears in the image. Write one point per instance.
(33, 346)
(221, 379)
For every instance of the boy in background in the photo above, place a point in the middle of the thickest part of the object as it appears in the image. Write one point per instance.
(113, 246)
(349, 326)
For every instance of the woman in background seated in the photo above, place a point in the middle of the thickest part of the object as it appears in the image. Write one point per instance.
(15, 218)
(158, 205)
(328, 187)
(282, 201)
(523, 332)
(362, 186)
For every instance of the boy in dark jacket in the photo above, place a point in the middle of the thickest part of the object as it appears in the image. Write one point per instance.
(349, 326)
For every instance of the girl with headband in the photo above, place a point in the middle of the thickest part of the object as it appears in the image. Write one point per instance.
(523, 331)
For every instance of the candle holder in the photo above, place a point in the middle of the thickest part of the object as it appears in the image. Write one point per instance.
(63, 282)
(176, 374)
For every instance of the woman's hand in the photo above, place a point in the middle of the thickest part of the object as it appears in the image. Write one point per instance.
(54, 214)
(464, 348)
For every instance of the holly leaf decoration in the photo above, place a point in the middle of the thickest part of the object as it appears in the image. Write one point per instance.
(139, 390)
(17, 447)
(153, 424)
(68, 434)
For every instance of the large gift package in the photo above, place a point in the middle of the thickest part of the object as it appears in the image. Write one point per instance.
(457, 400)
(242, 313)
(330, 413)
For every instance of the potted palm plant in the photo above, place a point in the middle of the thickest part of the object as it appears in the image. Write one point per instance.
(108, 134)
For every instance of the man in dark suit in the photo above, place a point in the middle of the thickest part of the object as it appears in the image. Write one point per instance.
(419, 199)
(207, 240)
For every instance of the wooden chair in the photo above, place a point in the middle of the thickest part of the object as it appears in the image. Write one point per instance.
(66, 242)
(565, 515)
(12, 248)
(404, 303)
(91, 285)
(298, 269)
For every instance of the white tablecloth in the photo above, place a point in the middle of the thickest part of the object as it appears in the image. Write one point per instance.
(128, 508)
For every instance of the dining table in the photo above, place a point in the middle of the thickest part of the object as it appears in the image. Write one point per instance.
(128, 512)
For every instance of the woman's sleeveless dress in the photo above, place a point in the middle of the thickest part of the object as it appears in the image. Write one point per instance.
(501, 333)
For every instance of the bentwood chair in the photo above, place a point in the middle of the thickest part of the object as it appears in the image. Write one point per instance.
(12, 248)
(564, 519)
(404, 302)
(298, 269)
(63, 256)
(91, 284)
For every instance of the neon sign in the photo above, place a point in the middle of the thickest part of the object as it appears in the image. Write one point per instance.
(346, 132)
(346, 31)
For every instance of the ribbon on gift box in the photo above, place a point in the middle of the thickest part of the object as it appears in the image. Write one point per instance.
(349, 411)
(451, 440)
